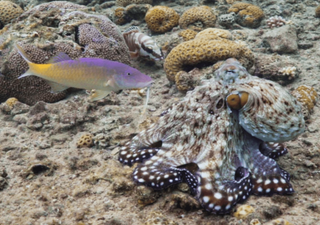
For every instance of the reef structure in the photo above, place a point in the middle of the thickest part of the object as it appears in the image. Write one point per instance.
(210, 46)
(218, 140)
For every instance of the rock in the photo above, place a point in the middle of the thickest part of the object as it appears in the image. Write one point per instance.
(282, 39)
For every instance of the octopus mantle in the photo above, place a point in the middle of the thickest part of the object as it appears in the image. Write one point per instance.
(221, 140)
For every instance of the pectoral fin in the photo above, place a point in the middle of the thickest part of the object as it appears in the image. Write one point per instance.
(96, 95)
(55, 87)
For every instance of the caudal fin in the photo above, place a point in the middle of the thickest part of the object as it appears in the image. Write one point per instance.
(25, 57)
(22, 52)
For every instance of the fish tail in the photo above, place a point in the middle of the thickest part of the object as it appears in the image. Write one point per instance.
(22, 53)
(32, 66)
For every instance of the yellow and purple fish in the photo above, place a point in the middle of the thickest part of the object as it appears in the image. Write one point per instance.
(100, 75)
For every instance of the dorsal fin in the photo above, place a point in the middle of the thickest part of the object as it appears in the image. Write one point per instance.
(132, 29)
(61, 56)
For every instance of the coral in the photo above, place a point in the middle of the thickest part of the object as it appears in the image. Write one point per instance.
(8, 12)
(119, 16)
(123, 15)
(85, 140)
(244, 211)
(276, 21)
(214, 34)
(248, 15)
(198, 18)
(128, 2)
(137, 11)
(76, 33)
(307, 96)
(289, 71)
(201, 51)
(227, 20)
(187, 34)
(317, 12)
(255, 222)
(276, 68)
(187, 81)
(161, 19)
(11, 102)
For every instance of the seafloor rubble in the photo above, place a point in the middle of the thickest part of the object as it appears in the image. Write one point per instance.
(59, 161)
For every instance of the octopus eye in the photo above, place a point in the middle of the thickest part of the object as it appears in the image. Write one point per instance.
(237, 101)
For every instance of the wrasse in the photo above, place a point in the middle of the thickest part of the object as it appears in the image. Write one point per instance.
(100, 75)
(140, 44)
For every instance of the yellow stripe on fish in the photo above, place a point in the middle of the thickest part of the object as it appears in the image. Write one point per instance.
(102, 75)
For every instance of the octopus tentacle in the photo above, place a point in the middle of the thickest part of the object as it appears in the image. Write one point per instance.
(219, 197)
(273, 150)
(138, 155)
(159, 177)
(267, 177)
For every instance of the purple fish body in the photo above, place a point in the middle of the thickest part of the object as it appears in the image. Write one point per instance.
(100, 75)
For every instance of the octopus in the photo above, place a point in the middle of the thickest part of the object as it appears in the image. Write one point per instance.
(222, 140)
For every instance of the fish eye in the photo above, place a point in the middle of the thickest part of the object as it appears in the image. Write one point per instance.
(147, 49)
(129, 74)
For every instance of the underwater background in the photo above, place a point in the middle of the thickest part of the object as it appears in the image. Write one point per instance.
(59, 151)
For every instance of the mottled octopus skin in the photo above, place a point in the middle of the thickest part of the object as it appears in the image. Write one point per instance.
(231, 151)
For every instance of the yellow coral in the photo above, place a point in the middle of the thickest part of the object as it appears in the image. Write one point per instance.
(198, 18)
(306, 95)
(119, 15)
(85, 140)
(11, 102)
(128, 2)
(255, 222)
(188, 34)
(243, 211)
(214, 34)
(9, 11)
(199, 50)
(161, 19)
(317, 11)
(248, 15)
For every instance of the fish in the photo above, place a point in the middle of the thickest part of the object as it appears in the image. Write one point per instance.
(140, 44)
(100, 75)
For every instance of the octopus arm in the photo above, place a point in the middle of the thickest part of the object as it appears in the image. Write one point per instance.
(218, 197)
(273, 150)
(143, 146)
(267, 177)
(160, 177)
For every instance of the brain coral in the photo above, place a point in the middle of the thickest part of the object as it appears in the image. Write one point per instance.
(307, 96)
(198, 18)
(85, 140)
(161, 19)
(248, 15)
(201, 51)
(8, 12)
(188, 34)
(46, 30)
(128, 2)
(214, 34)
